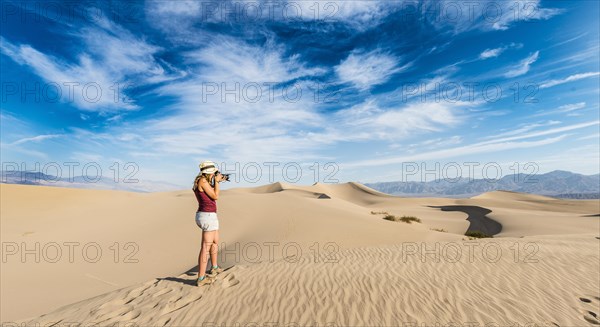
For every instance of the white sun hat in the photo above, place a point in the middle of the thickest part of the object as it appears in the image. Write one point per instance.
(208, 167)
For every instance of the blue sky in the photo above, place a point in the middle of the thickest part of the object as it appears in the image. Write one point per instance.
(166, 85)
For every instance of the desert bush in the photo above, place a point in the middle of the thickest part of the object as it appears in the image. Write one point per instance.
(406, 219)
(379, 212)
(410, 219)
(391, 218)
(478, 234)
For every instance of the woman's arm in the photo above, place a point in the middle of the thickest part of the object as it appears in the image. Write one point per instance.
(213, 193)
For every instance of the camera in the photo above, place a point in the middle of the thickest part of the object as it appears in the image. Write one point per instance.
(225, 176)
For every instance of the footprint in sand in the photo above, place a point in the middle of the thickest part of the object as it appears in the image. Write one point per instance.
(229, 281)
(169, 305)
(588, 315)
(109, 311)
(137, 292)
(177, 302)
(162, 292)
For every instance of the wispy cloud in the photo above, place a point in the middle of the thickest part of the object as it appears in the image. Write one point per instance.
(568, 40)
(567, 108)
(12, 127)
(359, 14)
(247, 110)
(524, 128)
(475, 15)
(370, 121)
(455, 152)
(228, 59)
(181, 7)
(435, 143)
(495, 52)
(491, 53)
(496, 145)
(281, 129)
(365, 70)
(595, 136)
(85, 73)
(571, 107)
(111, 60)
(523, 66)
(178, 19)
(571, 78)
(526, 9)
(38, 138)
(544, 132)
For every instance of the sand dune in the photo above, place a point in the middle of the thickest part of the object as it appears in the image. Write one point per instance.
(264, 229)
(386, 289)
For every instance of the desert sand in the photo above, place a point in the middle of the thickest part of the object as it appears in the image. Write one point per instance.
(304, 255)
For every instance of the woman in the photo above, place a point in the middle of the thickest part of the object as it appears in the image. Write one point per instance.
(206, 218)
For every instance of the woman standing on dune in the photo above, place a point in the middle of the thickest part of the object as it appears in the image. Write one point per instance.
(206, 189)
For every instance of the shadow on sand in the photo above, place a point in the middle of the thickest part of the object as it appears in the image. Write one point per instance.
(477, 217)
(192, 272)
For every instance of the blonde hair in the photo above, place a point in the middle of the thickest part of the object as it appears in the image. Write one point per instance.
(199, 177)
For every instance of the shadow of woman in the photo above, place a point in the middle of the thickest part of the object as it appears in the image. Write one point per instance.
(192, 272)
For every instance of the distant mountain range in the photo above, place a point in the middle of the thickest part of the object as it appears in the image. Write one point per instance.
(104, 183)
(561, 184)
(558, 183)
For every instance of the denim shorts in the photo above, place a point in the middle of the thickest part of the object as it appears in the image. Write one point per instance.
(207, 221)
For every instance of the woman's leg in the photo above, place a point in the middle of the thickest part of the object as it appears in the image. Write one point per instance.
(214, 249)
(207, 240)
(200, 254)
